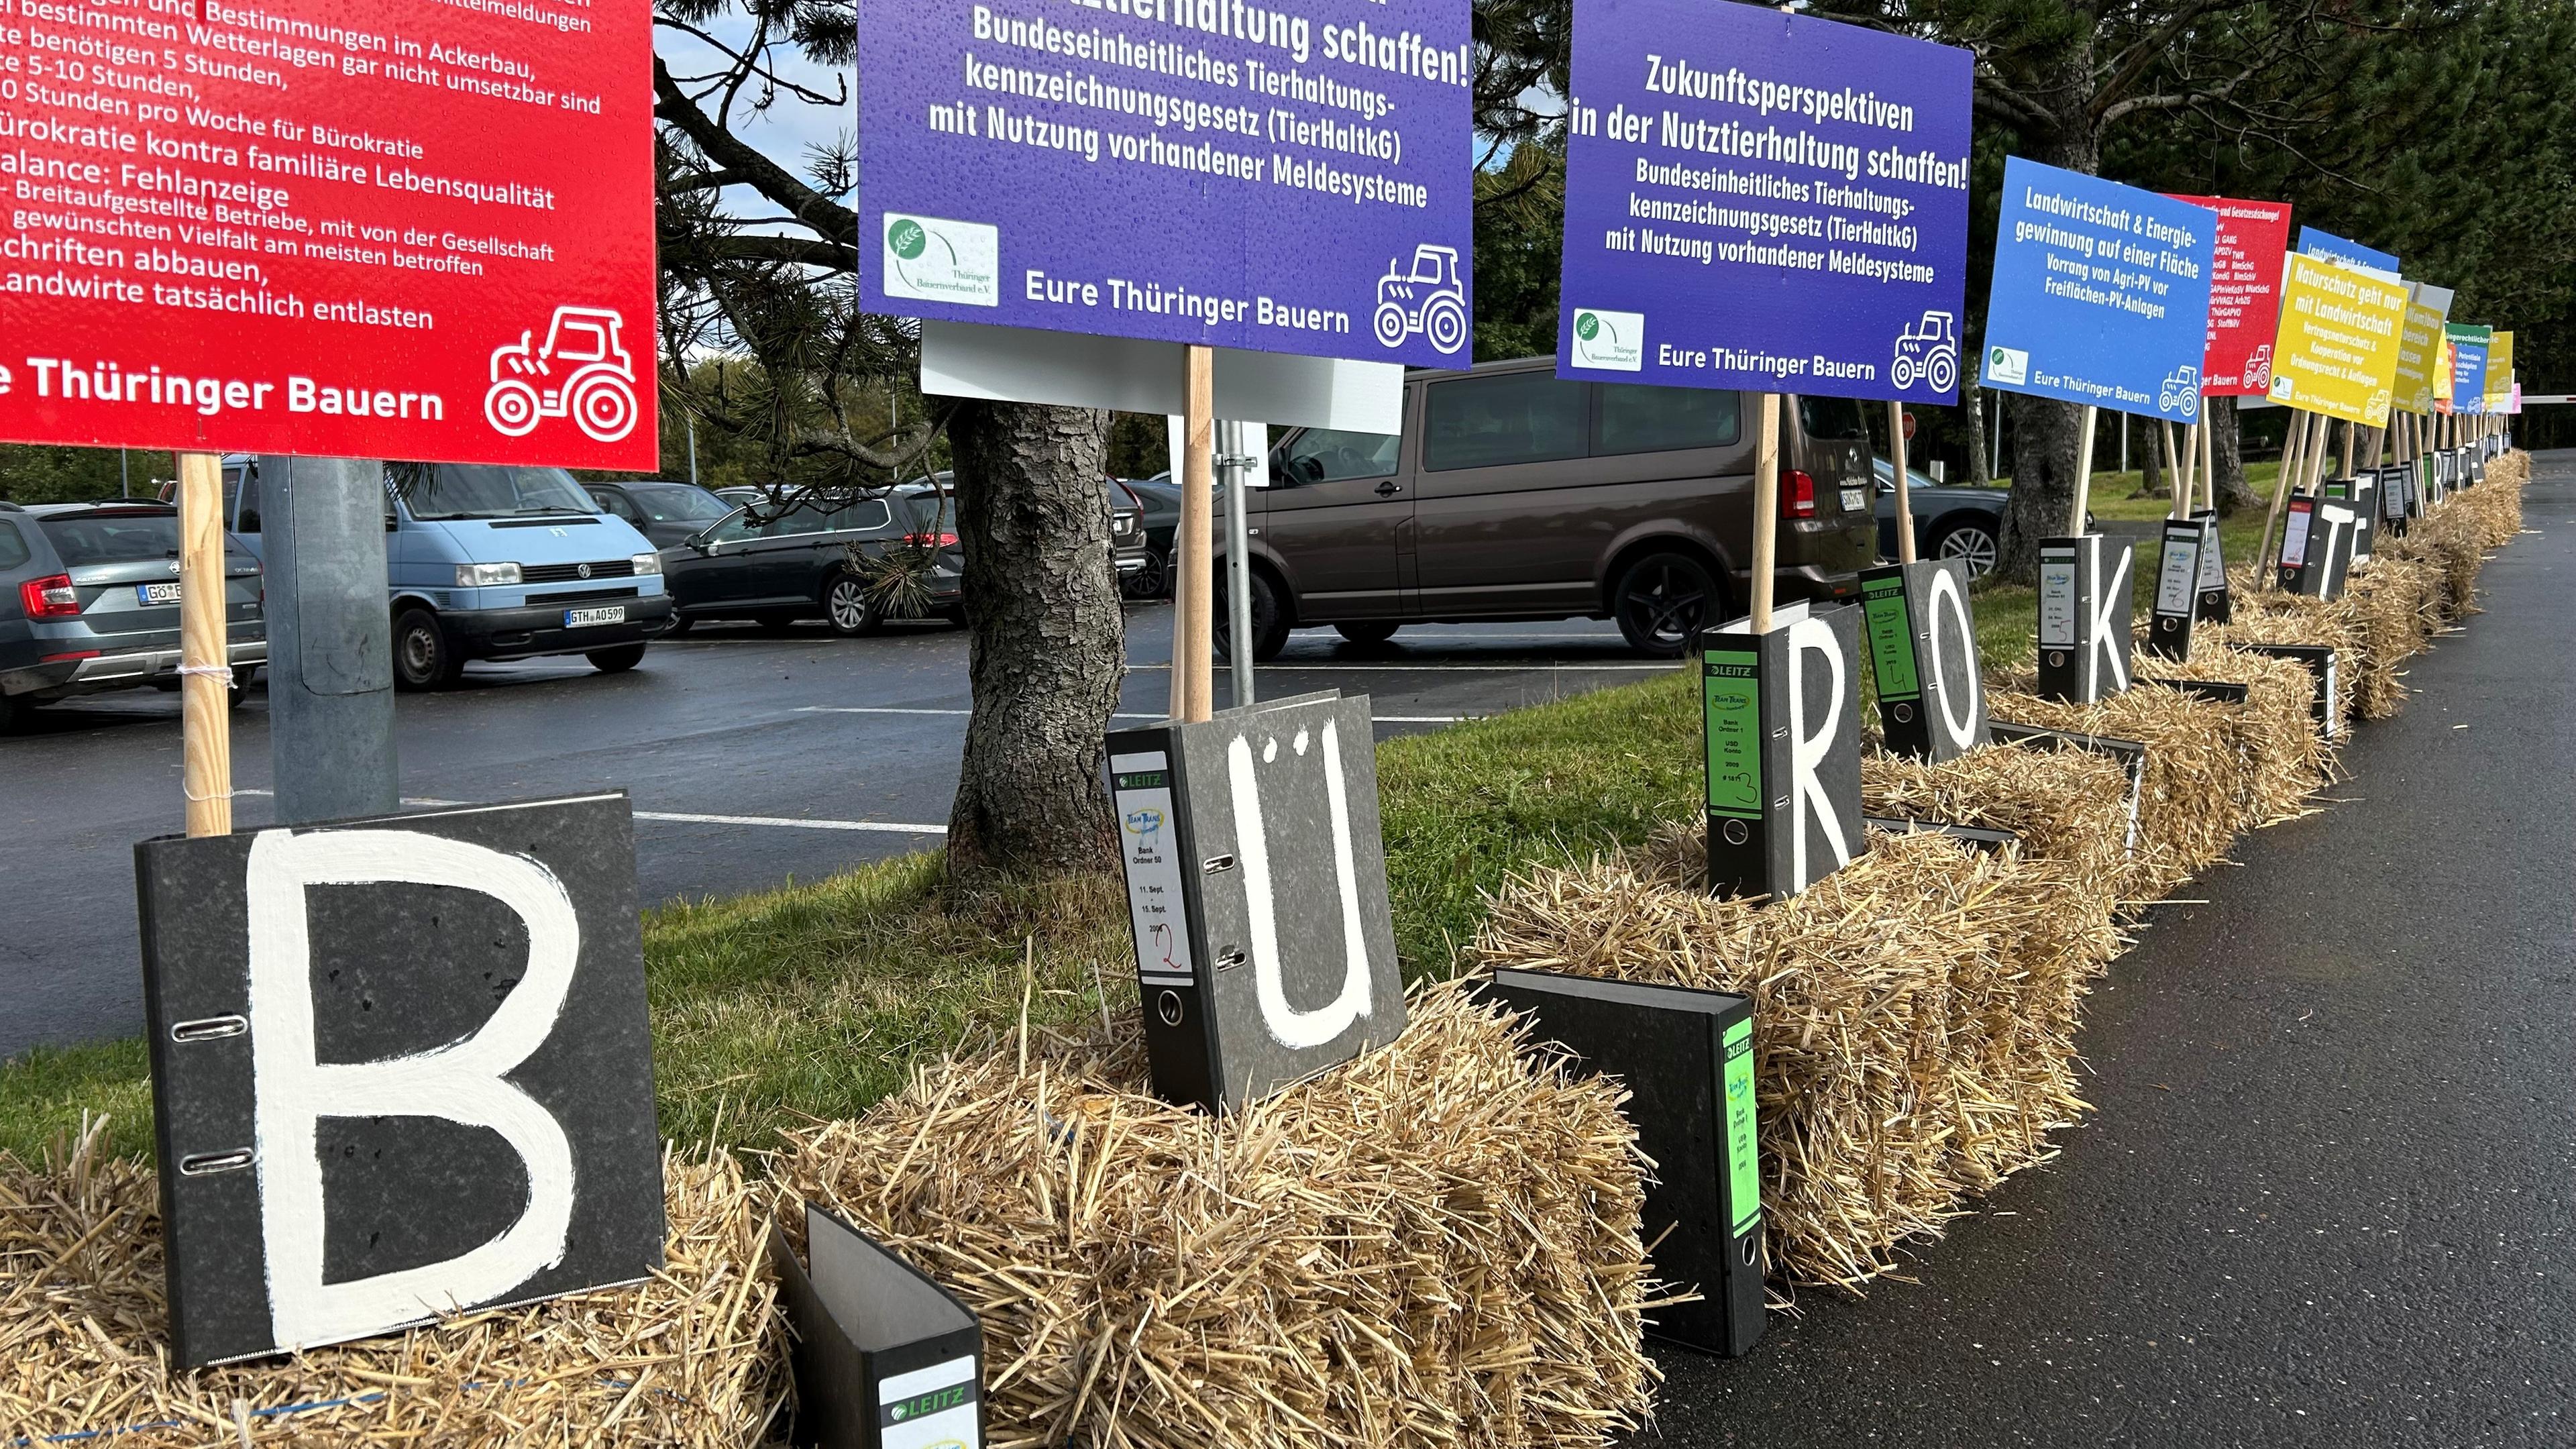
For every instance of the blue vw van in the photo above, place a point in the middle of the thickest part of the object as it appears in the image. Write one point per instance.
(491, 562)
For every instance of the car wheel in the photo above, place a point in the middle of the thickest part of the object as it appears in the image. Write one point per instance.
(1147, 582)
(848, 609)
(1269, 620)
(1973, 544)
(616, 661)
(424, 657)
(1368, 631)
(1663, 599)
(12, 715)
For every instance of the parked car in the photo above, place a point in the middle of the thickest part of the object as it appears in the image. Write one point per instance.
(1514, 495)
(798, 565)
(1950, 520)
(89, 601)
(1160, 497)
(1128, 551)
(665, 513)
(491, 562)
(742, 496)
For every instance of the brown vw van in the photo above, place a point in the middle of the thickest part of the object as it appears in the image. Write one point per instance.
(1513, 495)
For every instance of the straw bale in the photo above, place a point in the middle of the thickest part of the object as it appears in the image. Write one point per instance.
(2283, 756)
(695, 1357)
(2188, 807)
(1436, 1243)
(1914, 1018)
(2069, 807)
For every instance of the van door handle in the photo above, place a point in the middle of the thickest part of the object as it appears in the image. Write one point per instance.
(1389, 488)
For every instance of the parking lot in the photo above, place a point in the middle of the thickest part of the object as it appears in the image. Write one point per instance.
(752, 758)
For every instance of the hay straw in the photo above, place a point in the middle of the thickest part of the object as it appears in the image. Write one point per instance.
(2281, 756)
(2070, 807)
(2189, 806)
(694, 1358)
(1436, 1243)
(1914, 1018)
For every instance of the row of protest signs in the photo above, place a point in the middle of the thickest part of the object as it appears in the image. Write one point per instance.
(1755, 201)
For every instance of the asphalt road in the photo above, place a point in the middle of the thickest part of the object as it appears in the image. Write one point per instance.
(753, 760)
(2329, 1195)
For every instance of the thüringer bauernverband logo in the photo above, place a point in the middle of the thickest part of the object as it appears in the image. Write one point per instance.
(933, 259)
(2007, 364)
(1611, 341)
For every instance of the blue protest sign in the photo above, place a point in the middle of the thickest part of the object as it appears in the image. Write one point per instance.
(1288, 176)
(1763, 201)
(2101, 293)
(2326, 244)
(2468, 376)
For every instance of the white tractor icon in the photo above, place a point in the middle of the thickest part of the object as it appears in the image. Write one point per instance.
(1429, 300)
(599, 394)
(2258, 368)
(1929, 350)
(2181, 393)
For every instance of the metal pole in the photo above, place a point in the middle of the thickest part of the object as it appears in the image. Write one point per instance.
(330, 639)
(124, 475)
(1238, 567)
(205, 658)
(693, 449)
(1766, 508)
(2124, 442)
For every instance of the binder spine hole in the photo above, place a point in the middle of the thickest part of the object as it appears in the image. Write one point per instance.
(206, 1164)
(1218, 864)
(212, 1028)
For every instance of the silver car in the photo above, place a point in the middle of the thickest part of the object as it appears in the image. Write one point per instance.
(89, 601)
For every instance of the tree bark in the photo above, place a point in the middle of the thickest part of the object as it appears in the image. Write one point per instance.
(2043, 487)
(1980, 468)
(1046, 643)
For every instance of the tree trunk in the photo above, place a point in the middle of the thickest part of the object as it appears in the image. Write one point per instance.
(1046, 643)
(1980, 469)
(2043, 487)
(2227, 454)
(2151, 481)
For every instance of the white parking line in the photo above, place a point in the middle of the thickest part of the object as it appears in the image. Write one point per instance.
(678, 817)
(961, 713)
(1550, 667)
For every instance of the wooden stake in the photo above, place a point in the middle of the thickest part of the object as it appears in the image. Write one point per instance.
(2083, 472)
(1193, 630)
(1766, 508)
(2208, 459)
(1904, 493)
(2174, 485)
(205, 657)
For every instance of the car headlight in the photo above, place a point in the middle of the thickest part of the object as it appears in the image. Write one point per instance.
(486, 576)
(647, 563)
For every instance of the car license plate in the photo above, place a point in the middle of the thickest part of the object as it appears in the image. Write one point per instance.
(591, 618)
(1855, 500)
(157, 593)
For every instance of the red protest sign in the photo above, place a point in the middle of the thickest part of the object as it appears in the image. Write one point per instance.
(2244, 294)
(355, 228)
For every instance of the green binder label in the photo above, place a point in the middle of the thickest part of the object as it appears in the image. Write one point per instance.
(1731, 685)
(1891, 638)
(1743, 1168)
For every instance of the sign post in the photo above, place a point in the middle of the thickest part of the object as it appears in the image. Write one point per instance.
(2102, 299)
(205, 675)
(330, 645)
(1729, 223)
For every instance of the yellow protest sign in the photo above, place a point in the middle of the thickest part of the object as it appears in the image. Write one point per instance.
(2336, 351)
(2499, 371)
(2416, 346)
(2442, 374)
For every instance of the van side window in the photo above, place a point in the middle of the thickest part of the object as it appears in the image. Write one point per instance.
(1513, 417)
(1832, 417)
(1634, 418)
(1326, 455)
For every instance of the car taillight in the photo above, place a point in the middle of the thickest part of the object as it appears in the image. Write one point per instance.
(931, 540)
(1797, 494)
(51, 597)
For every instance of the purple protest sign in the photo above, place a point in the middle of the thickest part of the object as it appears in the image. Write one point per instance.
(1287, 176)
(1763, 201)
